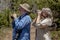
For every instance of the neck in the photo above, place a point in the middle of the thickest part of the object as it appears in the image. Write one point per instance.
(23, 13)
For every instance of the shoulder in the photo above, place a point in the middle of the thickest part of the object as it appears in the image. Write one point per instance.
(27, 17)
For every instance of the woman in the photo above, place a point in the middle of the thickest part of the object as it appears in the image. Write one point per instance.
(42, 23)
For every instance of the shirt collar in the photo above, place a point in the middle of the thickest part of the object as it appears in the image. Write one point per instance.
(23, 15)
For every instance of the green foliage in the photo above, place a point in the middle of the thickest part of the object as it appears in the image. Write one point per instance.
(4, 17)
(33, 15)
(53, 4)
(55, 35)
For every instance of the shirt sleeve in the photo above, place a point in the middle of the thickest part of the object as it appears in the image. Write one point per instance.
(21, 23)
(14, 34)
(47, 22)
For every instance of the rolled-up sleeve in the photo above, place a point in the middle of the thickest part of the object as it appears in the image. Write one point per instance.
(21, 23)
(47, 22)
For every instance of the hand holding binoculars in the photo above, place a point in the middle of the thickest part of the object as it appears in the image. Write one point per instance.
(13, 16)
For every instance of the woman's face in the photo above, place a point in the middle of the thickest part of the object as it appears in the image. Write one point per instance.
(44, 14)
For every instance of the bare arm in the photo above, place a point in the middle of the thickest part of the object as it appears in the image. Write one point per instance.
(34, 22)
(39, 16)
(38, 19)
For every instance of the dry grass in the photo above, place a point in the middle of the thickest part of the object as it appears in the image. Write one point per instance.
(6, 34)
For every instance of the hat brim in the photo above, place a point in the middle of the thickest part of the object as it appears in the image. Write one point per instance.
(24, 8)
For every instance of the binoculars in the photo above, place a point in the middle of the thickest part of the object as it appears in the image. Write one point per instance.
(12, 17)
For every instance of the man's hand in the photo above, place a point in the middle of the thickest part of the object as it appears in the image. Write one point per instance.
(14, 16)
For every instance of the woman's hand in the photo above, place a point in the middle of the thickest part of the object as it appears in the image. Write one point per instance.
(39, 12)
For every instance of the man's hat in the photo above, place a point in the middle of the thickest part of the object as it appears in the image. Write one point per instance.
(25, 6)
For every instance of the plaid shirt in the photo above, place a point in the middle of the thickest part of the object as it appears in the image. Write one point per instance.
(21, 26)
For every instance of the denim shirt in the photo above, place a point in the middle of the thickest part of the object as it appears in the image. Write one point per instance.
(21, 28)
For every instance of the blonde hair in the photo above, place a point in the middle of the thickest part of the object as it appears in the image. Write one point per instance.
(48, 11)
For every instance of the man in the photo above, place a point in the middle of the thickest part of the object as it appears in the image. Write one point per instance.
(21, 25)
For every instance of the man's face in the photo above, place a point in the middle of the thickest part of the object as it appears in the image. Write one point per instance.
(21, 9)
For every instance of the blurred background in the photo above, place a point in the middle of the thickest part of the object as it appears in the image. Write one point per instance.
(8, 7)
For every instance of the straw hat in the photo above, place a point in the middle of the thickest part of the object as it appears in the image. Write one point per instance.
(25, 6)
